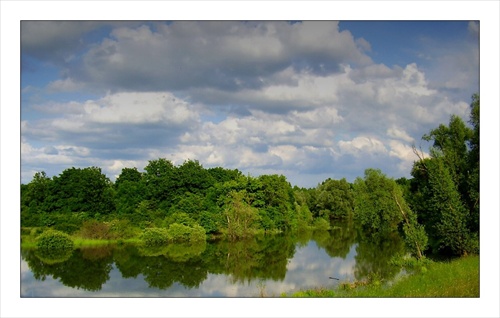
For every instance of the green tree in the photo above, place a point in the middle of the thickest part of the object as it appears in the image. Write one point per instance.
(34, 199)
(445, 216)
(82, 190)
(276, 201)
(240, 217)
(222, 175)
(158, 181)
(335, 199)
(191, 177)
(445, 187)
(375, 208)
(129, 191)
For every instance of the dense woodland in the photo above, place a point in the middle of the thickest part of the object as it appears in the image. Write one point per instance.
(436, 211)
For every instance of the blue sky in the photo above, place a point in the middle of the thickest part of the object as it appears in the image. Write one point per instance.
(341, 122)
(310, 100)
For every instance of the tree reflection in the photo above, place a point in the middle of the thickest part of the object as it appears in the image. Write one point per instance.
(374, 253)
(76, 271)
(255, 259)
(338, 241)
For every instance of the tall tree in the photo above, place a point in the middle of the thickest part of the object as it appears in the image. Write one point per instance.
(82, 190)
(335, 199)
(375, 208)
(381, 209)
(445, 187)
(158, 181)
(129, 191)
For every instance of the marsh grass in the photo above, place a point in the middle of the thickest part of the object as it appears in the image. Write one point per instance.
(80, 242)
(457, 278)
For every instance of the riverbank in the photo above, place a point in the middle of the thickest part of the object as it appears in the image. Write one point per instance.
(456, 278)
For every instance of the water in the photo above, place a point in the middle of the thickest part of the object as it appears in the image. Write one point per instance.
(259, 267)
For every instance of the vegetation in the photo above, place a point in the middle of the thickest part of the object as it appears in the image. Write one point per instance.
(54, 240)
(436, 212)
(457, 278)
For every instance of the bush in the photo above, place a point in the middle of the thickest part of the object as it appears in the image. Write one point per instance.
(121, 229)
(66, 227)
(198, 234)
(182, 233)
(178, 232)
(154, 236)
(54, 240)
(95, 230)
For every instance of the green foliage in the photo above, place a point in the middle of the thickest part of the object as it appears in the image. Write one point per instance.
(81, 190)
(240, 217)
(54, 240)
(191, 177)
(445, 187)
(335, 199)
(95, 230)
(178, 232)
(182, 233)
(155, 236)
(210, 221)
(321, 224)
(375, 208)
(122, 229)
(158, 180)
(129, 191)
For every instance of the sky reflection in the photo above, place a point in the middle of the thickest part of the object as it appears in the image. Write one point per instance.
(310, 267)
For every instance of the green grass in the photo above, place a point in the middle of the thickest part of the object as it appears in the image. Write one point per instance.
(81, 242)
(458, 278)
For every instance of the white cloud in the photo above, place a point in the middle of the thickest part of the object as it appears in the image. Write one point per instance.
(362, 145)
(64, 85)
(261, 96)
(399, 133)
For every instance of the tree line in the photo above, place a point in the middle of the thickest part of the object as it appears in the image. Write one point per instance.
(435, 211)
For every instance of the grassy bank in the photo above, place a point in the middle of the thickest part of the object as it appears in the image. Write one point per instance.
(457, 278)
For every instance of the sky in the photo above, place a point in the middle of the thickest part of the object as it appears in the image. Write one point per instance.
(66, 75)
(310, 100)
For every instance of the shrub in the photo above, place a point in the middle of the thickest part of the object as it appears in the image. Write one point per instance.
(66, 227)
(121, 229)
(154, 236)
(95, 230)
(54, 240)
(198, 234)
(178, 232)
(36, 231)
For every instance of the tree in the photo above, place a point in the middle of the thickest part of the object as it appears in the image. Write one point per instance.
(374, 206)
(445, 217)
(192, 177)
(335, 199)
(129, 191)
(82, 190)
(381, 209)
(275, 196)
(34, 199)
(158, 181)
(241, 218)
(445, 187)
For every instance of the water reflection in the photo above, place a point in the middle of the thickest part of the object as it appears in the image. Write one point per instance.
(267, 265)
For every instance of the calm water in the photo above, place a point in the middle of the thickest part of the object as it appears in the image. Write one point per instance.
(263, 266)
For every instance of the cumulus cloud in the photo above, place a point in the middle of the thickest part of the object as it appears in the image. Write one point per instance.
(225, 55)
(303, 99)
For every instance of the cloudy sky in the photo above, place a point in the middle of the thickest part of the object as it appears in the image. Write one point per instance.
(307, 99)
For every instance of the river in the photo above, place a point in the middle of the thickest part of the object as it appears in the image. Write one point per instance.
(265, 266)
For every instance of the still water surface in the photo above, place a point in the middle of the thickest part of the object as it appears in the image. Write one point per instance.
(263, 266)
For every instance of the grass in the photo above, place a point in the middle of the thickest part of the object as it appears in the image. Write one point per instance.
(457, 278)
(28, 241)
